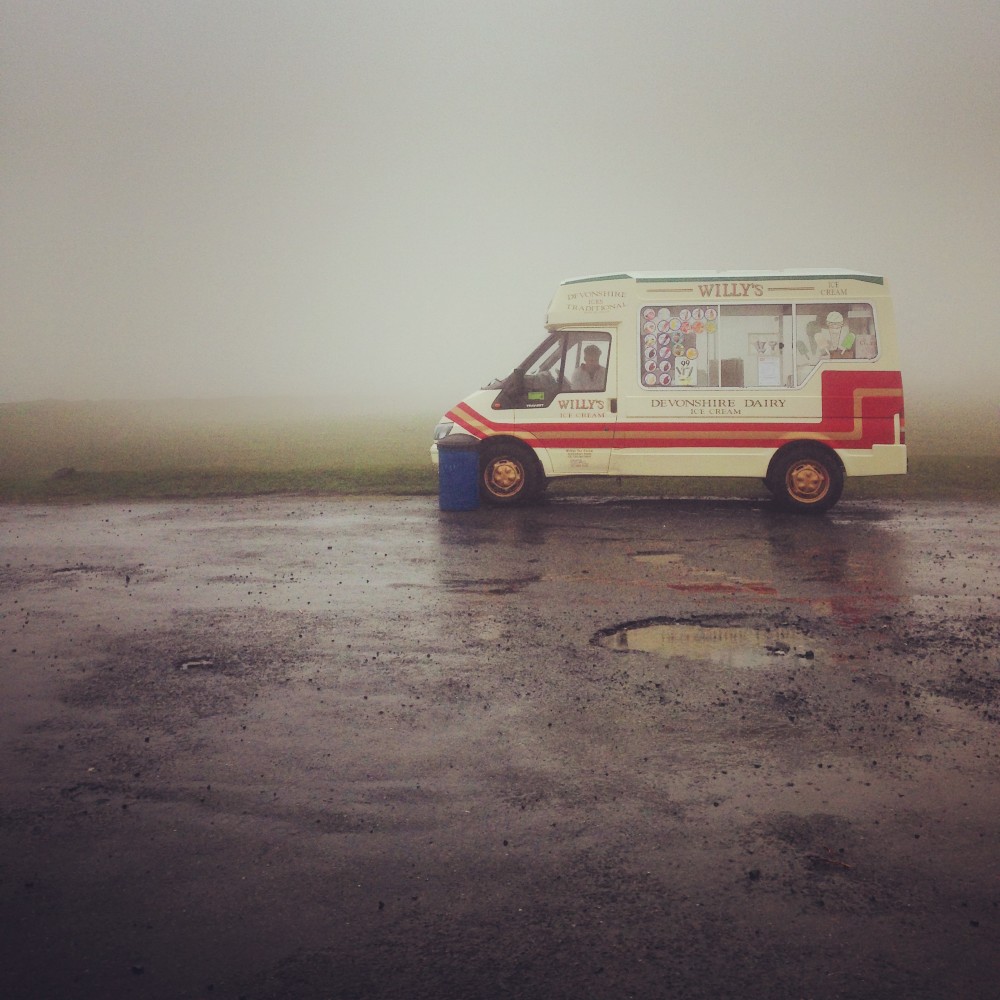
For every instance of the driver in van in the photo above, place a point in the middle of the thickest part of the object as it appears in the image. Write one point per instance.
(590, 376)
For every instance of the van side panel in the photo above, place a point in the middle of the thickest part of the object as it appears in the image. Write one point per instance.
(860, 410)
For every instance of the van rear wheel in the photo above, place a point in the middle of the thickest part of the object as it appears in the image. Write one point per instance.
(807, 480)
(509, 474)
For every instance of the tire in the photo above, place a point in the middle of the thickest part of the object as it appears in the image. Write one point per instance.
(806, 480)
(509, 474)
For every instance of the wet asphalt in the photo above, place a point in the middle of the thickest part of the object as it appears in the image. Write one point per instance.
(364, 748)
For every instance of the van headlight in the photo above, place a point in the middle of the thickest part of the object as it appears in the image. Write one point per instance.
(443, 429)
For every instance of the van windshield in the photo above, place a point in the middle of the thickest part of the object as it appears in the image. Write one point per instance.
(568, 361)
(545, 360)
(565, 361)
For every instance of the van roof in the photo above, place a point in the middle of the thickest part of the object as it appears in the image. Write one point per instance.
(815, 273)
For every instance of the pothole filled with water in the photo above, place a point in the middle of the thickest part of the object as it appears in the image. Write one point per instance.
(727, 645)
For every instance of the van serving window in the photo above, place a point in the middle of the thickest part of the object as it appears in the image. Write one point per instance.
(749, 345)
(834, 331)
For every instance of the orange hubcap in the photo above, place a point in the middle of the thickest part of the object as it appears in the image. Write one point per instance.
(808, 482)
(504, 476)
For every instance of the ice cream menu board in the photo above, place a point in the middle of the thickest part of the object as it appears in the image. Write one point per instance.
(669, 343)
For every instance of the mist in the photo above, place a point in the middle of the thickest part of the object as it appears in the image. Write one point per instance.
(370, 204)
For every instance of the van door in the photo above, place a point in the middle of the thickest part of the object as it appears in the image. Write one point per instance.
(563, 400)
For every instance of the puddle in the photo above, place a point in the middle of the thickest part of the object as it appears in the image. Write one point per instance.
(492, 587)
(728, 645)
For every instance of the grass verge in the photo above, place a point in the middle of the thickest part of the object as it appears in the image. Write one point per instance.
(80, 452)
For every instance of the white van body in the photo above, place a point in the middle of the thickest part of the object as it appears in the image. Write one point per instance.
(792, 376)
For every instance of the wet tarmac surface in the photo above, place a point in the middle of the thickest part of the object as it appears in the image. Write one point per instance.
(367, 749)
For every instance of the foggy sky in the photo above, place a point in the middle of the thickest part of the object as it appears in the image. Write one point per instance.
(377, 199)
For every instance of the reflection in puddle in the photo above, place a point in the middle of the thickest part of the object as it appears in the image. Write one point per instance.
(658, 558)
(685, 578)
(732, 646)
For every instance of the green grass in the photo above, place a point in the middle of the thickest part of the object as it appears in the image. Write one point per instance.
(180, 484)
(247, 448)
(207, 449)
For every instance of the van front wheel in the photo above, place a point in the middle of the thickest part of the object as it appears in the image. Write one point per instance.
(808, 480)
(509, 474)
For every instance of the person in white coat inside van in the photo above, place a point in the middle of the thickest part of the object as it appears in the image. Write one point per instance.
(834, 340)
(591, 375)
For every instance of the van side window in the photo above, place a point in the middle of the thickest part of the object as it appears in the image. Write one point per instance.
(749, 345)
(755, 349)
(587, 362)
(566, 361)
(832, 331)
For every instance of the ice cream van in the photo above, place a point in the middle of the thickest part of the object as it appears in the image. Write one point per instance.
(788, 375)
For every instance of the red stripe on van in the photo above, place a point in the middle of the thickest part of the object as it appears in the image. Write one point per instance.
(858, 411)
